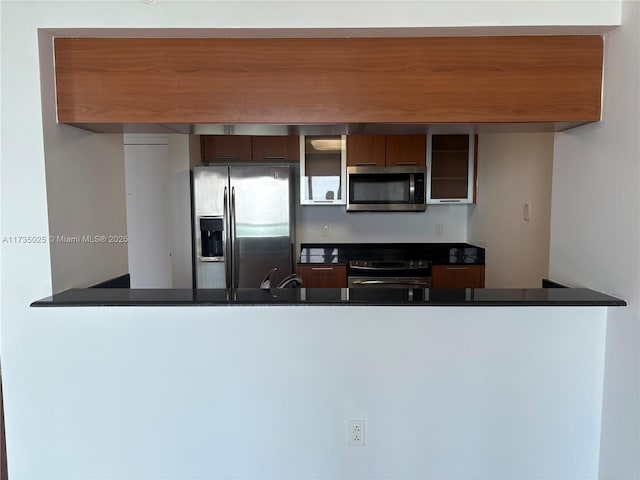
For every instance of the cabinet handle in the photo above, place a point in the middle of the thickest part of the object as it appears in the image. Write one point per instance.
(227, 158)
(456, 268)
(274, 158)
(323, 201)
(406, 163)
(366, 163)
(321, 268)
(450, 201)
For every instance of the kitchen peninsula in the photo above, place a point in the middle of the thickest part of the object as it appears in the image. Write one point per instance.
(374, 297)
(403, 279)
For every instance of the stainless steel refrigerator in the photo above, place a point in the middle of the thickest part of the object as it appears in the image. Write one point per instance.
(242, 225)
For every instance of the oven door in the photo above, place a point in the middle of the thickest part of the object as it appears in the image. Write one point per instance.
(388, 282)
(386, 189)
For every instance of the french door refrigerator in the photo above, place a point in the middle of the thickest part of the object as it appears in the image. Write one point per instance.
(242, 225)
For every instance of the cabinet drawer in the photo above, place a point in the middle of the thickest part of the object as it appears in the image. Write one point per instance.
(323, 276)
(457, 276)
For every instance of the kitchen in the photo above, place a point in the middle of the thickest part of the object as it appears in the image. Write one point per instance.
(517, 165)
(111, 359)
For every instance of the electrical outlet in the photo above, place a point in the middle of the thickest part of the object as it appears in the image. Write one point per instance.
(324, 231)
(355, 433)
(439, 229)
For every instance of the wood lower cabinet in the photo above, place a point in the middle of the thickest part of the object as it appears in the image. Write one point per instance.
(457, 276)
(323, 276)
(225, 148)
(282, 148)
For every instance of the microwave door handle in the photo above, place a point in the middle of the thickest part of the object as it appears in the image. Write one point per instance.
(412, 188)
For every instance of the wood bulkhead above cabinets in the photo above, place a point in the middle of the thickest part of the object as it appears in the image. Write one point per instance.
(298, 81)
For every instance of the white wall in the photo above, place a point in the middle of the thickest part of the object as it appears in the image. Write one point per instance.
(381, 227)
(85, 185)
(249, 392)
(595, 234)
(513, 169)
(185, 392)
(180, 211)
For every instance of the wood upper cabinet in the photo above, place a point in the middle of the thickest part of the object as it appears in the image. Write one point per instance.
(323, 276)
(244, 148)
(406, 150)
(284, 148)
(225, 148)
(366, 150)
(386, 150)
(457, 276)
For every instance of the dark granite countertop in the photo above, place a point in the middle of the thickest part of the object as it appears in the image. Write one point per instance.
(435, 253)
(535, 297)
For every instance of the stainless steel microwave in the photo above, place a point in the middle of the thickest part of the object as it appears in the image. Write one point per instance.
(386, 189)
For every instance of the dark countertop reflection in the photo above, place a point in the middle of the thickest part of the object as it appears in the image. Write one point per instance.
(529, 297)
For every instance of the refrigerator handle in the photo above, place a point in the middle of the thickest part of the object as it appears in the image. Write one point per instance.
(227, 240)
(234, 249)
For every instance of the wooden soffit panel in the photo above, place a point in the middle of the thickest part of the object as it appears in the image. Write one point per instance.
(329, 80)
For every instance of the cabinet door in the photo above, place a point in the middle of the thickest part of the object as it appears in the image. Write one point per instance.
(323, 169)
(276, 148)
(366, 150)
(225, 148)
(406, 150)
(451, 162)
(323, 276)
(457, 276)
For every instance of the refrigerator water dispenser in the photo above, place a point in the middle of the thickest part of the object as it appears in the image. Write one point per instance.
(211, 235)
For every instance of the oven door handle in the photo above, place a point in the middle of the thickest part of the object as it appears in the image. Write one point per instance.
(413, 283)
(382, 269)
